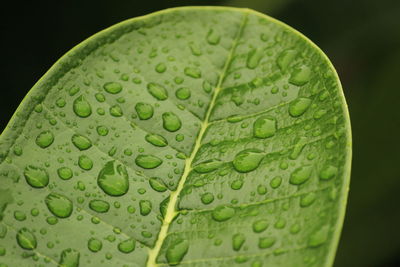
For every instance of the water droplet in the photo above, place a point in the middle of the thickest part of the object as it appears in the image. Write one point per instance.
(300, 175)
(238, 241)
(145, 111)
(59, 205)
(69, 258)
(157, 184)
(237, 184)
(264, 127)
(207, 87)
(222, 213)
(207, 198)
(127, 246)
(253, 58)
(145, 207)
(276, 182)
(195, 49)
(156, 140)
(319, 237)
(45, 139)
(299, 106)
(113, 179)
(247, 160)
(26, 239)
(171, 122)
(94, 245)
(36, 177)
(112, 87)
(266, 242)
(64, 173)
(192, 72)
(213, 37)
(82, 107)
(19, 215)
(260, 226)
(176, 251)
(328, 172)
(164, 206)
(81, 142)
(285, 58)
(61, 102)
(102, 130)
(116, 111)
(208, 166)
(161, 67)
(183, 93)
(300, 76)
(307, 199)
(148, 161)
(157, 90)
(99, 206)
(85, 162)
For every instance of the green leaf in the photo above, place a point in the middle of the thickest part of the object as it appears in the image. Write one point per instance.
(196, 136)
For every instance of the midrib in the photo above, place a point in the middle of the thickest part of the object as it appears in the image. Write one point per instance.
(171, 212)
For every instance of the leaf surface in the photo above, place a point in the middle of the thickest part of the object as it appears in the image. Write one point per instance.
(196, 136)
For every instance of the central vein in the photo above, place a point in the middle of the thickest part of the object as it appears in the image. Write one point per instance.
(171, 209)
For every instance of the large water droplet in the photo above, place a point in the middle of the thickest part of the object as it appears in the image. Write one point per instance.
(127, 246)
(59, 205)
(222, 213)
(208, 166)
(157, 90)
(69, 258)
(264, 127)
(157, 184)
(82, 107)
(300, 175)
(99, 206)
(94, 245)
(183, 93)
(81, 142)
(113, 179)
(112, 87)
(299, 106)
(148, 161)
(171, 122)
(45, 139)
(26, 239)
(156, 140)
(145, 111)
(285, 58)
(36, 177)
(85, 162)
(238, 241)
(247, 160)
(300, 76)
(145, 207)
(253, 58)
(176, 251)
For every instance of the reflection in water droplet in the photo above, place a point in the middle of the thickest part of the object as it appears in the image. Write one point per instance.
(247, 160)
(113, 179)
(171, 122)
(59, 205)
(82, 107)
(299, 106)
(81, 142)
(144, 111)
(176, 251)
(36, 177)
(45, 139)
(264, 127)
(26, 239)
(157, 90)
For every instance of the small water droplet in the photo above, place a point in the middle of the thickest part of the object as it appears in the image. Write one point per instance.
(82, 107)
(213, 37)
(85, 162)
(183, 93)
(247, 160)
(69, 258)
(45, 139)
(145, 111)
(319, 237)
(94, 245)
(208, 166)
(254, 57)
(328, 172)
(299, 106)
(157, 184)
(266, 242)
(145, 207)
(36, 177)
(81, 142)
(113, 179)
(26, 239)
(99, 206)
(285, 58)
(116, 111)
(161, 67)
(222, 213)
(157, 90)
(207, 198)
(171, 122)
(300, 175)
(112, 87)
(176, 251)
(300, 76)
(102, 130)
(264, 127)
(148, 161)
(192, 72)
(59, 205)
(156, 140)
(238, 241)
(64, 173)
(307, 199)
(260, 226)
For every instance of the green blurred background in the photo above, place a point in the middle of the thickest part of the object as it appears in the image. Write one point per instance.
(362, 39)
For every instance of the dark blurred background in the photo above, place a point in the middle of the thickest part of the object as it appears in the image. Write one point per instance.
(361, 37)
